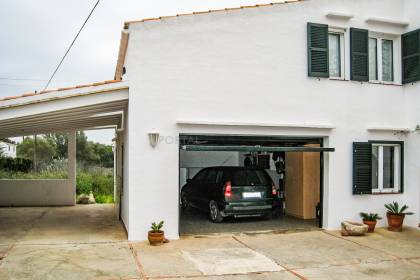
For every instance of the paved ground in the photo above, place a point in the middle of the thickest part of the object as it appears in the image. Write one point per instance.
(85, 242)
(195, 222)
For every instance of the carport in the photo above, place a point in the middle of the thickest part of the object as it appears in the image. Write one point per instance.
(92, 106)
(198, 151)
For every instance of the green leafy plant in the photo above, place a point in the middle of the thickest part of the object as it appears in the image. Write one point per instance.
(157, 227)
(369, 216)
(104, 198)
(394, 208)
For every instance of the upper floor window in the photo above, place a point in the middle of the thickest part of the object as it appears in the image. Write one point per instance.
(371, 56)
(381, 59)
(336, 54)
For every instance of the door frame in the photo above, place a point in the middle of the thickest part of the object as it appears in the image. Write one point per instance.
(318, 140)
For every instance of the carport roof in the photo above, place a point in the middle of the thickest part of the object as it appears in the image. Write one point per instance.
(91, 106)
(56, 90)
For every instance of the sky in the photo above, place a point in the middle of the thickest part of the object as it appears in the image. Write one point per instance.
(36, 33)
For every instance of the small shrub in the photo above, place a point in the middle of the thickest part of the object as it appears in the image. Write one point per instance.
(13, 175)
(370, 216)
(102, 184)
(157, 227)
(101, 198)
(84, 183)
(394, 208)
(15, 164)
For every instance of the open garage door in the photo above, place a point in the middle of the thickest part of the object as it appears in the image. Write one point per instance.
(291, 168)
(254, 149)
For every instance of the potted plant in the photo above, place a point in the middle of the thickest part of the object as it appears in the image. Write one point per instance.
(396, 215)
(370, 220)
(156, 235)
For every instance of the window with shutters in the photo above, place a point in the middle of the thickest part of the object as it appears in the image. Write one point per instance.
(378, 167)
(381, 58)
(386, 168)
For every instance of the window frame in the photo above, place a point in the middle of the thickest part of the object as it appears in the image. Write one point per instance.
(379, 57)
(341, 36)
(392, 57)
(398, 188)
(376, 61)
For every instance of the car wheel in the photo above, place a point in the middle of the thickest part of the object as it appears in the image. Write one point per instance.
(215, 215)
(184, 202)
(267, 216)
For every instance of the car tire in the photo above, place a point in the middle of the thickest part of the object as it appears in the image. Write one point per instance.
(184, 202)
(214, 212)
(267, 216)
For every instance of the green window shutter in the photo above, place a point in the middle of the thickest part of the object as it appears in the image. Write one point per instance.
(359, 54)
(362, 168)
(318, 50)
(410, 51)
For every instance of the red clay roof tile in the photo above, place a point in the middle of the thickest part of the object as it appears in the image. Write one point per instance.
(58, 90)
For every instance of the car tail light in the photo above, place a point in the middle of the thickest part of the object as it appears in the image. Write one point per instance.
(273, 188)
(228, 189)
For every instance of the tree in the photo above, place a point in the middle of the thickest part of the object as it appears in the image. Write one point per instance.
(87, 152)
(60, 141)
(45, 150)
(105, 155)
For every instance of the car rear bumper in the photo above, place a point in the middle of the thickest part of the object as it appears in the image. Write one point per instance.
(246, 211)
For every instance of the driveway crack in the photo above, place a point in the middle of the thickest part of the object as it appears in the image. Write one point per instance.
(282, 266)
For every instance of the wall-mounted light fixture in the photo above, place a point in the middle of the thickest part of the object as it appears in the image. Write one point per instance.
(153, 138)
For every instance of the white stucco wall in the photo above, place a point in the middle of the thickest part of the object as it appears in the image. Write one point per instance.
(125, 198)
(250, 65)
(191, 162)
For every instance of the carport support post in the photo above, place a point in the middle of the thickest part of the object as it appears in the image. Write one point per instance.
(71, 151)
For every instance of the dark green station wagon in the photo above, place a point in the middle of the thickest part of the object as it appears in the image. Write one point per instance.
(225, 191)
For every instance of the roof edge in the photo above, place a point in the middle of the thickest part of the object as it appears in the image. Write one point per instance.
(7, 98)
(127, 23)
(119, 69)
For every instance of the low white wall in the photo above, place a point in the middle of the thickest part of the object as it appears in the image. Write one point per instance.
(36, 193)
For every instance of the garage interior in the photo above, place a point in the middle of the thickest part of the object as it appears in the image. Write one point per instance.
(295, 165)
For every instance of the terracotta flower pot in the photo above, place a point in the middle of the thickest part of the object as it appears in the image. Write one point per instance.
(156, 238)
(395, 222)
(370, 224)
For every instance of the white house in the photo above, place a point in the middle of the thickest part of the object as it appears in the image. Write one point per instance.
(333, 77)
(8, 148)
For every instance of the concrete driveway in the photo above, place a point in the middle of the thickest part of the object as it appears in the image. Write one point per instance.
(193, 222)
(85, 242)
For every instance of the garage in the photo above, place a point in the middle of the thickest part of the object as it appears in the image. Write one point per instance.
(258, 183)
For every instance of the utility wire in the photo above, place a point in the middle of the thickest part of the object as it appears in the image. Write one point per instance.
(71, 45)
(22, 79)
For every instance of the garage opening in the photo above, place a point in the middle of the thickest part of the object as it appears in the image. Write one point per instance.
(242, 183)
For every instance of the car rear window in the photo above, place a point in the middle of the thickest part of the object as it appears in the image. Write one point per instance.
(250, 177)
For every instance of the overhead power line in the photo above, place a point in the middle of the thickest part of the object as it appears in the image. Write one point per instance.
(23, 79)
(71, 45)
